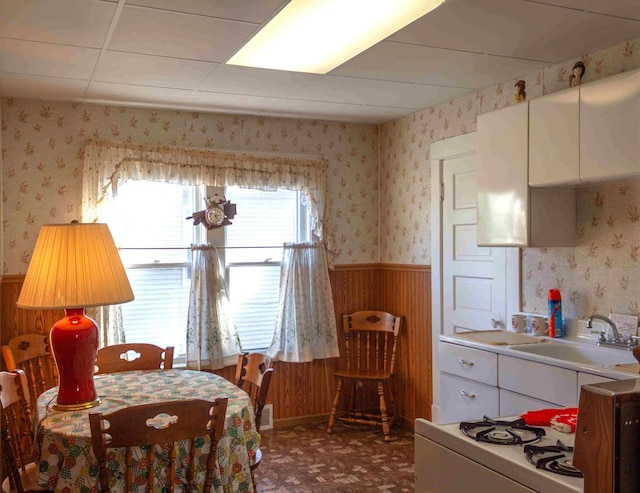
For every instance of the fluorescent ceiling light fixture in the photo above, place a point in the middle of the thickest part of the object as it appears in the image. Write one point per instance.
(315, 36)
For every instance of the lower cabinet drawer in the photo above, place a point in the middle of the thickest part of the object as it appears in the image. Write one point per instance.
(545, 382)
(514, 404)
(462, 399)
(465, 362)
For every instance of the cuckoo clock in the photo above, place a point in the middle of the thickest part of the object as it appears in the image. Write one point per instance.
(217, 214)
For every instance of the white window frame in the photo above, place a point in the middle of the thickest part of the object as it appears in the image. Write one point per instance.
(218, 237)
(302, 233)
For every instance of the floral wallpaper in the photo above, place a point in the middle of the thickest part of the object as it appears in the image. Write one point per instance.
(600, 275)
(386, 167)
(42, 159)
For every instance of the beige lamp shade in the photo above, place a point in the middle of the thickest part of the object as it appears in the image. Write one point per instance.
(75, 265)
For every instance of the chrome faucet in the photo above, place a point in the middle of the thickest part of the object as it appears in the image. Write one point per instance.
(616, 335)
(616, 342)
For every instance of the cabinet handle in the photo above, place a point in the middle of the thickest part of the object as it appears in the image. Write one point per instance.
(494, 323)
(471, 395)
(465, 362)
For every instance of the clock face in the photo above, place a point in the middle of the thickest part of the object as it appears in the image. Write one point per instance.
(215, 216)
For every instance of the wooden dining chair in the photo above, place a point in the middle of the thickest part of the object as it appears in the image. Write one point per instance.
(32, 354)
(133, 356)
(371, 343)
(17, 434)
(151, 429)
(253, 375)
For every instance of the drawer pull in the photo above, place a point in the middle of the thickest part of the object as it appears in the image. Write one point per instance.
(471, 395)
(466, 362)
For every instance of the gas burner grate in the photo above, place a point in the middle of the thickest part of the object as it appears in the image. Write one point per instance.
(555, 458)
(515, 432)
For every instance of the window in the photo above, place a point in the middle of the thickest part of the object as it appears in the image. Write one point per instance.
(148, 221)
(265, 219)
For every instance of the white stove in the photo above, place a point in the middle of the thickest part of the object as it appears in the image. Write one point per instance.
(448, 461)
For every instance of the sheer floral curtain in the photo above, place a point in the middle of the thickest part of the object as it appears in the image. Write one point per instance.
(212, 339)
(107, 165)
(306, 323)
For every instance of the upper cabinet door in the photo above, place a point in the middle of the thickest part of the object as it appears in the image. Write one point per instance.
(502, 176)
(610, 128)
(554, 139)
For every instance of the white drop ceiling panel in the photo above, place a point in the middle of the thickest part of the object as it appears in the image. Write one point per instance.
(171, 54)
(143, 95)
(620, 8)
(339, 111)
(35, 87)
(174, 34)
(233, 79)
(337, 89)
(227, 104)
(513, 28)
(148, 70)
(420, 64)
(34, 58)
(256, 11)
(67, 22)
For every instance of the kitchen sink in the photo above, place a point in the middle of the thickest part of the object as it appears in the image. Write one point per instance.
(578, 353)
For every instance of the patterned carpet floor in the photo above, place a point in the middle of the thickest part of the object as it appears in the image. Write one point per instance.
(305, 459)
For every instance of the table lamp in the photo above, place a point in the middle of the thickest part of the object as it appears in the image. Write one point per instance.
(74, 266)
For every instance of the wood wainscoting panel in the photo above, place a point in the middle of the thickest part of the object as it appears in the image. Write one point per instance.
(406, 290)
(306, 389)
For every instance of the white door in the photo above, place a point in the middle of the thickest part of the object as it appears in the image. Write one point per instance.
(473, 288)
(473, 277)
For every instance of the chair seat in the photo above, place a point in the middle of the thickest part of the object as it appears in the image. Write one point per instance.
(364, 374)
(29, 480)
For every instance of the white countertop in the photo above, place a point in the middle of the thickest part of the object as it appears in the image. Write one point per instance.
(614, 356)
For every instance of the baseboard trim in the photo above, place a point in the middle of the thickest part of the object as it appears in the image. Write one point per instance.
(324, 418)
(300, 420)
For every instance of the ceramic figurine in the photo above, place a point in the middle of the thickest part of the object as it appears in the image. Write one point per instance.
(575, 79)
(519, 91)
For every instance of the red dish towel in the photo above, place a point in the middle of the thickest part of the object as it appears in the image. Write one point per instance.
(563, 420)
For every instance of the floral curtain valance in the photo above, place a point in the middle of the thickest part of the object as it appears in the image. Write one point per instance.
(108, 164)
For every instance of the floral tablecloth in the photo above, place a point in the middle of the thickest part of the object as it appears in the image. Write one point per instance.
(63, 446)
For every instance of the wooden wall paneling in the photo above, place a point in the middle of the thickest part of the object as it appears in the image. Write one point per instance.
(406, 290)
(301, 390)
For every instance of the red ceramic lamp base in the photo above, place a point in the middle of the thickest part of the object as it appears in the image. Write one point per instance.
(74, 342)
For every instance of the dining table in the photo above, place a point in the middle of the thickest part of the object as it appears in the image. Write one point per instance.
(63, 438)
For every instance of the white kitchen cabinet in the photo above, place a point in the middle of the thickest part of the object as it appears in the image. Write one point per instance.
(468, 383)
(510, 213)
(462, 399)
(474, 364)
(538, 380)
(589, 379)
(610, 128)
(515, 404)
(554, 139)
